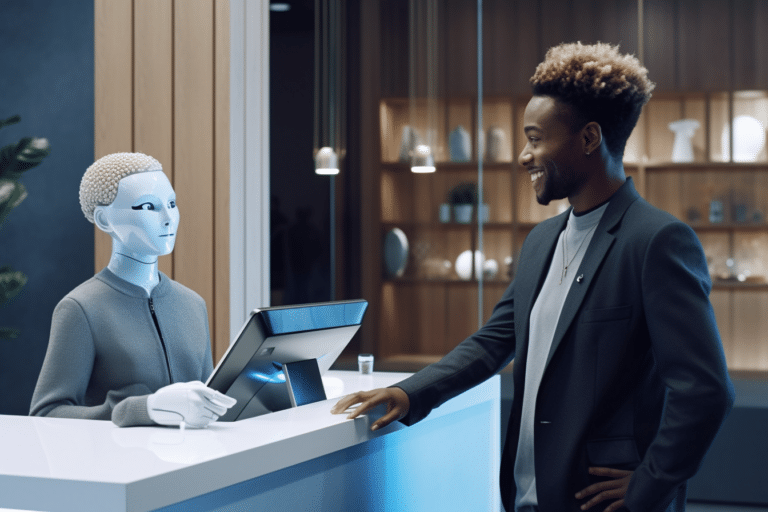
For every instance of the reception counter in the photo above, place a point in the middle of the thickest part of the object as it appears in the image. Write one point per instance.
(298, 459)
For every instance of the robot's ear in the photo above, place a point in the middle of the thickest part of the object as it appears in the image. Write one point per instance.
(101, 220)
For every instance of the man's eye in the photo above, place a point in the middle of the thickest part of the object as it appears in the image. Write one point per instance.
(144, 206)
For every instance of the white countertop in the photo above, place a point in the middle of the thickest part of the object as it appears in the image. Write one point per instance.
(51, 463)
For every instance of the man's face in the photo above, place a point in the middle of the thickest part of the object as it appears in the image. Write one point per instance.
(551, 149)
(143, 217)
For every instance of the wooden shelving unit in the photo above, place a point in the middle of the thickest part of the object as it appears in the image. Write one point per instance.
(429, 309)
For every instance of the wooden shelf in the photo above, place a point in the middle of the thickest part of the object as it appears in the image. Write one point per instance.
(720, 284)
(447, 281)
(387, 225)
(449, 166)
(730, 226)
(703, 166)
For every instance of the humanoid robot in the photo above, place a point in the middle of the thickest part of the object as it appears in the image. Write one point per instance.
(130, 344)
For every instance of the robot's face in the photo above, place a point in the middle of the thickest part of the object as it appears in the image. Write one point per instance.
(143, 218)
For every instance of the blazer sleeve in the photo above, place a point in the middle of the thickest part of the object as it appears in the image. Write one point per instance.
(473, 361)
(690, 361)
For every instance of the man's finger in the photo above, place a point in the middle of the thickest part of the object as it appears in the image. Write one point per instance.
(385, 420)
(365, 406)
(594, 488)
(610, 472)
(613, 507)
(343, 404)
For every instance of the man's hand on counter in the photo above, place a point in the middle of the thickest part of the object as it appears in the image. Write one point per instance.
(396, 400)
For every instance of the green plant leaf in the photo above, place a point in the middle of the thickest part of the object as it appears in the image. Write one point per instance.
(12, 193)
(11, 120)
(11, 283)
(17, 158)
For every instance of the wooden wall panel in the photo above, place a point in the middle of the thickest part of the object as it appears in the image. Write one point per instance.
(498, 47)
(113, 93)
(220, 329)
(162, 88)
(704, 45)
(153, 89)
(527, 50)
(394, 47)
(193, 146)
(750, 39)
(660, 42)
(458, 44)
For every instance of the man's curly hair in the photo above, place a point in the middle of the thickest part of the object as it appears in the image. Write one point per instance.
(599, 84)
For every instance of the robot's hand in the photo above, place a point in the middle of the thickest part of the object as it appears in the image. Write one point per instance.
(194, 403)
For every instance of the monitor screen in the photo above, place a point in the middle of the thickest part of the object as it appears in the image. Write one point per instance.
(253, 370)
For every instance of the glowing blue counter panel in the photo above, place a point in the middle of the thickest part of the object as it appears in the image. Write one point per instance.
(297, 459)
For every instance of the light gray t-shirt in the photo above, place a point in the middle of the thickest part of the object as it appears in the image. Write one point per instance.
(105, 354)
(571, 246)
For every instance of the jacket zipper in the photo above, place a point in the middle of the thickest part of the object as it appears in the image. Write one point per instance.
(162, 342)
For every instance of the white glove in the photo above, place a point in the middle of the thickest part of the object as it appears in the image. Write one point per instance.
(193, 403)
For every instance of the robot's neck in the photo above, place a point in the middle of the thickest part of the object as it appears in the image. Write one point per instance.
(130, 267)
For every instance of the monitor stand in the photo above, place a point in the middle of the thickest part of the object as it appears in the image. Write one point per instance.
(304, 383)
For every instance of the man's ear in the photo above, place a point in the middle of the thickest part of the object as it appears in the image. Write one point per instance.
(101, 220)
(592, 137)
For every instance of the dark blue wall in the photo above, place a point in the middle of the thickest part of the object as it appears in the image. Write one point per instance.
(46, 76)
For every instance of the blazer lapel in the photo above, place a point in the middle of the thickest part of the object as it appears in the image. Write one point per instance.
(596, 252)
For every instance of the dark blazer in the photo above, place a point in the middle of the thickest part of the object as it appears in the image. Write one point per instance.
(636, 377)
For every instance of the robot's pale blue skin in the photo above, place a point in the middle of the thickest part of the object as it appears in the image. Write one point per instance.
(142, 221)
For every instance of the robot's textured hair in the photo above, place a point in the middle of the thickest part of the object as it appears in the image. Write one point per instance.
(99, 184)
(600, 84)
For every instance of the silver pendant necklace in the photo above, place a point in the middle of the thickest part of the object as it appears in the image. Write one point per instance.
(567, 263)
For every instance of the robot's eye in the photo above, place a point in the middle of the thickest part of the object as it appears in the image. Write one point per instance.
(144, 206)
(172, 204)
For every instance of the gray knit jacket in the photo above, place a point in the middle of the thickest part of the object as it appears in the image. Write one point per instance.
(107, 353)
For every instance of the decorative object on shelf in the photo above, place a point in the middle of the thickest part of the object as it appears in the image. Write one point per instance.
(464, 264)
(462, 213)
(716, 212)
(682, 149)
(435, 268)
(395, 252)
(422, 160)
(330, 87)
(444, 213)
(497, 143)
(740, 212)
(693, 215)
(510, 268)
(408, 142)
(460, 145)
(464, 197)
(748, 139)
(489, 268)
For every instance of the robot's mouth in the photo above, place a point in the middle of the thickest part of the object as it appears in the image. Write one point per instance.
(169, 234)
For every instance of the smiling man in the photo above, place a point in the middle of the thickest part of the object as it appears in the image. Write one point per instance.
(620, 381)
(130, 344)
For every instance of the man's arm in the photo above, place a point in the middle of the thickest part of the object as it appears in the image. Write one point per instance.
(690, 360)
(476, 359)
